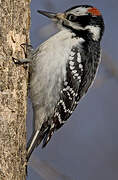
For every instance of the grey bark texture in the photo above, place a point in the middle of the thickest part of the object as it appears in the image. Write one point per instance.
(14, 30)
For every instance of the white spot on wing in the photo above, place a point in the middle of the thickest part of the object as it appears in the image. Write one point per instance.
(59, 116)
(80, 66)
(76, 74)
(72, 53)
(72, 67)
(71, 63)
(79, 77)
(78, 58)
(74, 71)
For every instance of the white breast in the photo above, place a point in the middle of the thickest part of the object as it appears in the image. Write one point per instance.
(49, 68)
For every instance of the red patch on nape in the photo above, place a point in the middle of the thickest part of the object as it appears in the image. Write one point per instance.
(94, 11)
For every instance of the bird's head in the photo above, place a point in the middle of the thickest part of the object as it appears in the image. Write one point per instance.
(84, 19)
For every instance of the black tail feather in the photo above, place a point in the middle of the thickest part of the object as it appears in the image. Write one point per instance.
(47, 137)
(37, 138)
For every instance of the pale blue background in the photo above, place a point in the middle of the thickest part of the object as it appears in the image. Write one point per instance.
(86, 148)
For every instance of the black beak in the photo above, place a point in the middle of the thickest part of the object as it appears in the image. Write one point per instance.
(53, 16)
(48, 14)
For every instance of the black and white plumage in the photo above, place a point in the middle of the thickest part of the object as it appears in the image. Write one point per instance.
(62, 69)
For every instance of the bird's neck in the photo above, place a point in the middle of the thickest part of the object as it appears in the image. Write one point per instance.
(85, 34)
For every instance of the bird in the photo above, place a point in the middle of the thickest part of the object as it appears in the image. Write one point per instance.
(62, 69)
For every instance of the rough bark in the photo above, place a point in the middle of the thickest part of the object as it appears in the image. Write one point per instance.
(14, 30)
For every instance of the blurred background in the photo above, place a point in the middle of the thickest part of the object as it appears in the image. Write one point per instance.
(86, 148)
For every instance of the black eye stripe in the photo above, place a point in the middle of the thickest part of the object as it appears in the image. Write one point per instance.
(82, 20)
(74, 18)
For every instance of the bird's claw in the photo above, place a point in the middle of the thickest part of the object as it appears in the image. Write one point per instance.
(16, 61)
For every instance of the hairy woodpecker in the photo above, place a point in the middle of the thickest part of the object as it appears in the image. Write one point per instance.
(62, 69)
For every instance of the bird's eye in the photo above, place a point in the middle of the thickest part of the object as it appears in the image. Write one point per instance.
(71, 17)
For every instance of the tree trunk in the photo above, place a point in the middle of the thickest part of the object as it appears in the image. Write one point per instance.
(14, 30)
